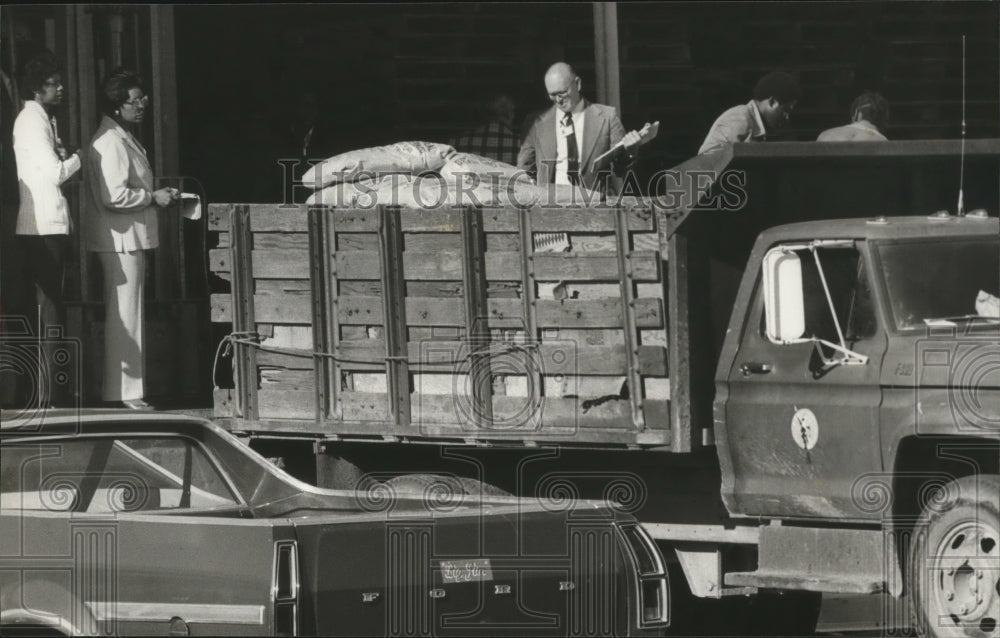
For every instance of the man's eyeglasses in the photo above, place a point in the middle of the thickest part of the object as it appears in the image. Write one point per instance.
(561, 95)
(140, 101)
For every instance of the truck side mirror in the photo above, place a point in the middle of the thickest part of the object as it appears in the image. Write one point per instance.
(784, 306)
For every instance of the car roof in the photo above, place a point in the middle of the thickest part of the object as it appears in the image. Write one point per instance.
(68, 420)
(883, 228)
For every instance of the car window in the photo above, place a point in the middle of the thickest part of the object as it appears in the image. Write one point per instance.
(111, 475)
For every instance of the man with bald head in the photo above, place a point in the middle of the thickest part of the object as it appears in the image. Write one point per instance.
(563, 142)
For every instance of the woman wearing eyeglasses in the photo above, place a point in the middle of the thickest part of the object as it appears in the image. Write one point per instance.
(120, 225)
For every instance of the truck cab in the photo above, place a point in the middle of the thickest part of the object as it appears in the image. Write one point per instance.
(854, 344)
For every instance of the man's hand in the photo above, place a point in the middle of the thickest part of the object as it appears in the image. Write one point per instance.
(63, 151)
(165, 196)
(631, 140)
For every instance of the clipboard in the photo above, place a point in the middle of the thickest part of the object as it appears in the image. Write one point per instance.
(646, 135)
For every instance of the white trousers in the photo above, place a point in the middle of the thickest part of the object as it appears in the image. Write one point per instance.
(124, 365)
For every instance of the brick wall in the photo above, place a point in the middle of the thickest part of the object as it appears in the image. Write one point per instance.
(684, 63)
(421, 71)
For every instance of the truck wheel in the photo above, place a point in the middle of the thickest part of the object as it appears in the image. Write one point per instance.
(954, 562)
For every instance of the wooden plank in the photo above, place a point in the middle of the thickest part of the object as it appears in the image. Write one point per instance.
(218, 216)
(357, 241)
(263, 217)
(268, 308)
(566, 415)
(224, 401)
(549, 359)
(432, 242)
(364, 406)
(566, 219)
(500, 266)
(368, 355)
(420, 311)
(286, 403)
(430, 311)
(596, 313)
(434, 288)
(593, 266)
(220, 260)
(290, 379)
(360, 288)
(288, 361)
(267, 264)
(355, 220)
(282, 286)
(440, 220)
(294, 241)
(292, 218)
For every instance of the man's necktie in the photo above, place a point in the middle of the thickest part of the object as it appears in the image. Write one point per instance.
(572, 153)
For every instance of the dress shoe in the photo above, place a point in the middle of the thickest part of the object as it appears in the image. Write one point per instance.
(137, 404)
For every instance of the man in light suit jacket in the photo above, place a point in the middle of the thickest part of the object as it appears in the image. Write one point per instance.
(774, 99)
(563, 142)
(120, 223)
(43, 218)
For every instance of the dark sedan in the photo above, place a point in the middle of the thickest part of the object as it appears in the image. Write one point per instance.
(126, 523)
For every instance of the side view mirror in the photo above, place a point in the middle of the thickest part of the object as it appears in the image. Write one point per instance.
(784, 305)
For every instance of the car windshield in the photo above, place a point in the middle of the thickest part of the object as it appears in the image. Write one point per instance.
(939, 282)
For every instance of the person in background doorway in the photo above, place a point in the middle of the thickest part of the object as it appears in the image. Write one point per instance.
(43, 218)
(774, 99)
(869, 117)
(121, 224)
(496, 138)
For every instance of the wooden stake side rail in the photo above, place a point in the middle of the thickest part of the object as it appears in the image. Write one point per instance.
(446, 323)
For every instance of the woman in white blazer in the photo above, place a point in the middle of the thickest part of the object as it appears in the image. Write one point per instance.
(120, 223)
(43, 219)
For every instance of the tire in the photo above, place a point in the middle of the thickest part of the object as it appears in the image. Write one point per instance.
(954, 562)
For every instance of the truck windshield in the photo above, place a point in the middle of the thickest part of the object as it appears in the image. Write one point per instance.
(938, 282)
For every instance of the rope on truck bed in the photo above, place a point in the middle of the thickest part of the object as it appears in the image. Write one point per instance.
(253, 340)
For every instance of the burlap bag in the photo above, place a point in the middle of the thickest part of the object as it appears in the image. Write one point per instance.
(411, 158)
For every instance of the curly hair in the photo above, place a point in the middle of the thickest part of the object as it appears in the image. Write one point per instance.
(115, 90)
(872, 107)
(780, 85)
(36, 72)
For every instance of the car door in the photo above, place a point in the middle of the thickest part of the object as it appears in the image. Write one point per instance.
(154, 539)
(802, 437)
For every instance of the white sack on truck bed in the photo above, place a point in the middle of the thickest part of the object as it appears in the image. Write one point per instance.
(476, 169)
(411, 158)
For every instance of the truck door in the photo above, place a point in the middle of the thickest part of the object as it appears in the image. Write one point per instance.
(801, 432)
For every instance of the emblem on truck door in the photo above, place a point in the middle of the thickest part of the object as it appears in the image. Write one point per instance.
(805, 429)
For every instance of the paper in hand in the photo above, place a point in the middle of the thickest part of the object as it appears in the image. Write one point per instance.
(190, 206)
(646, 135)
(987, 305)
